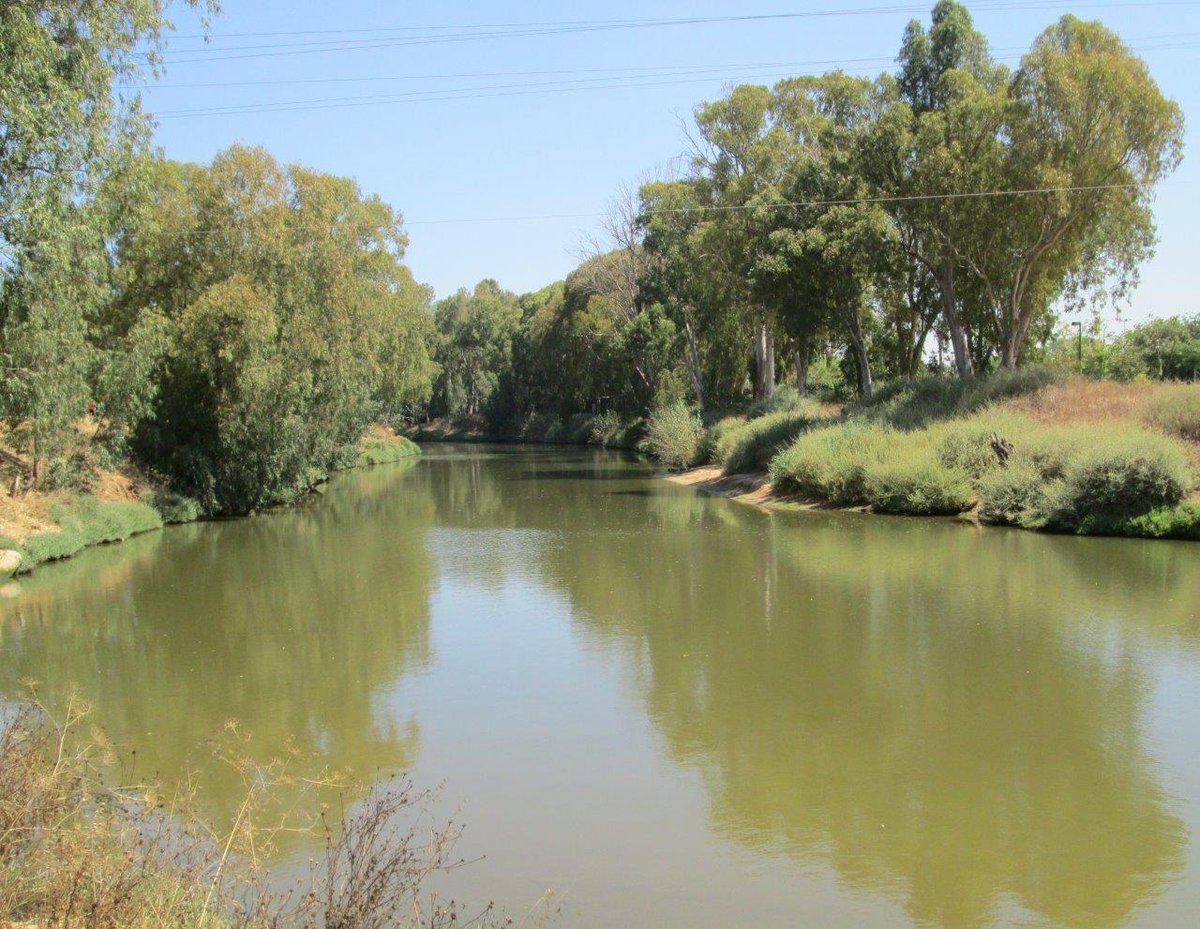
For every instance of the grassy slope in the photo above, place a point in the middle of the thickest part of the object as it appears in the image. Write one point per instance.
(49, 526)
(1087, 457)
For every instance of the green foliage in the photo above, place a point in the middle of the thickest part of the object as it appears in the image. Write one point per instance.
(915, 483)
(830, 464)
(175, 508)
(1177, 412)
(1165, 349)
(786, 399)
(475, 344)
(720, 438)
(1014, 496)
(85, 521)
(760, 440)
(290, 332)
(915, 404)
(376, 451)
(966, 444)
(1181, 522)
(1086, 480)
(673, 436)
(1128, 477)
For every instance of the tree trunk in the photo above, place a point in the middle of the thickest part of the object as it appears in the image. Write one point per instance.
(764, 362)
(695, 368)
(858, 342)
(802, 361)
(958, 335)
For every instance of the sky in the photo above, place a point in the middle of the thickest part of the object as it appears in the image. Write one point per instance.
(503, 130)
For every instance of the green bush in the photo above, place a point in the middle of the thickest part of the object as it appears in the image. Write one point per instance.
(787, 399)
(720, 439)
(1118, 480)
(579, 429)
(1014, 496)
(538, 427)
(914, 404)
(830, 464)
(606, 428)
(1181, 522)
(917, 484)
(762, 439)
(87, 521)
(384, 451)
(673, 435)
(966, 444)
(176, 508)
(1177, 412)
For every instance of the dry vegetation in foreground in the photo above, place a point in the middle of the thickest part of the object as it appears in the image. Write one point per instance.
(78, 852)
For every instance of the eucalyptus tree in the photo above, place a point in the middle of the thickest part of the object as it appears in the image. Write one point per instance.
(826, 250)
(938, 138)
(476, 330)
(1089, 135)
(293, 324)
(742, 164)
(680, 276)
(64, 126)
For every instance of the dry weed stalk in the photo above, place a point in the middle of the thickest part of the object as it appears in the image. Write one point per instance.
(76, 852)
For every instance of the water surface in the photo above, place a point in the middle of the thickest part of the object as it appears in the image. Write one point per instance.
(674, 710)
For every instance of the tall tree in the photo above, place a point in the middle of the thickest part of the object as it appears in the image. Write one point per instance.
(1091, 134)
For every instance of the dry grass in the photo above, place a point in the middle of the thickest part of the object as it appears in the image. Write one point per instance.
(22, 516)
(77, 852)
(1082, 401)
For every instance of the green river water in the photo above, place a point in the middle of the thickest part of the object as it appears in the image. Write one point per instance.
(671, 709)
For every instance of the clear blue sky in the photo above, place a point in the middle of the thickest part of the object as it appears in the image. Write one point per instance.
(469, 173)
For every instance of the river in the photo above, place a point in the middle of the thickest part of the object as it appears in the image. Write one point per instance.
(673, 710)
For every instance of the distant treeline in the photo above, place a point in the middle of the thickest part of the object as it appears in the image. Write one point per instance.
(235, 328)
(834, 229)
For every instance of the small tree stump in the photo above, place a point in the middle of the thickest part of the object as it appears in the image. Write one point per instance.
(1002, 447)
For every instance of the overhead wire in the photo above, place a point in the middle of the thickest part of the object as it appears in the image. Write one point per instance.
(614, 82)
(574, 27)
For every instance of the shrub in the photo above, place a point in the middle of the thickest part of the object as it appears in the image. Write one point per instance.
(1181, 522)
(917, 484)
(606, 428)
(579, 428)
(536, 427)
(1014, 496)
(830, 464)
(1118, 480)
(720, 439)
(673, 435)
(1177, 411)
(760, 440)
(787, 399)
(966, 444)
(384, 450)
(914, 404)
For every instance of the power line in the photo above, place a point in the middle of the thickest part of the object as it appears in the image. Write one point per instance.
(888, 59)
(616, 82)
(576, 27)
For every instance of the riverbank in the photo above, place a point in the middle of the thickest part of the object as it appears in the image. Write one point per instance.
(1029, 449)
(38, 526)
